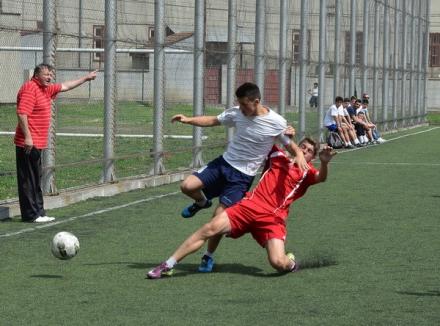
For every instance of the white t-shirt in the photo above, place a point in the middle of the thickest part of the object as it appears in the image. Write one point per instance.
(254, 137)
(315, 91)
(330, 116)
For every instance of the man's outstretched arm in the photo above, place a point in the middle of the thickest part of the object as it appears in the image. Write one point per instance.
(325, 155)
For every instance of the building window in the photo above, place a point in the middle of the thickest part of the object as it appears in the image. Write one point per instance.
(98, 42)
(296, 42)
(216, 54)
(358, 47)
(140, 61)
(150, 33)
(10, 7)
(434, 49)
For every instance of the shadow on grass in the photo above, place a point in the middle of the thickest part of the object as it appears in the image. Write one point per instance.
(46, 276)
(188, 269)
(317, 262)
(433, 293)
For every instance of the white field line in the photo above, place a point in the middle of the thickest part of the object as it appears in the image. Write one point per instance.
(101, 211)
(37, 227)
(388, 163)
(71, 134)
(388, 140)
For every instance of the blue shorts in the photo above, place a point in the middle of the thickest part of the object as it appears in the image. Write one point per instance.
(222, 180)
(332, 127)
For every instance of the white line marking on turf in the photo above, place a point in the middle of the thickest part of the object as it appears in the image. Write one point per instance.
(70, 134)
(42, 226)
(387, 163)
(10, 234)
(388, 140)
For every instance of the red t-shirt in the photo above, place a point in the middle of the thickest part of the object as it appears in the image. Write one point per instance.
(34, 100)
(281, 183)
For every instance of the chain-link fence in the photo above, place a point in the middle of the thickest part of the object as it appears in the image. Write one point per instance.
(159, 58)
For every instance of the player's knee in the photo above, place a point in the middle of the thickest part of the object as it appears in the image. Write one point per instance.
(277, 263)
(185, 186)
(209, 229)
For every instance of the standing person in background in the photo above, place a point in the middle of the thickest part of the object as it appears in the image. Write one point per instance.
(230, 176)
(34, 112)
(314, 96)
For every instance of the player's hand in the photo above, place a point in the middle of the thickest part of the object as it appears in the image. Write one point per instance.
(92, 75)
(326, 154)
(180, 118)
(290, 131)
(301, 161)
(28, 144)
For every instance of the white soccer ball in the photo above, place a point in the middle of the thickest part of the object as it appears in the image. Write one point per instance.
(65, 245)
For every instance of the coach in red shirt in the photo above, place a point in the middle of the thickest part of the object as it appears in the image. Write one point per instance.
(34, 112)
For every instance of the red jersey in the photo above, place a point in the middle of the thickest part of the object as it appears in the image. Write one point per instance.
(34, 100)
(281, 183)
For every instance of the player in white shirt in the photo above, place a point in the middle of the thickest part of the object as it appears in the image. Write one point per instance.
(333, 121)
(230, 175)
(347, 126)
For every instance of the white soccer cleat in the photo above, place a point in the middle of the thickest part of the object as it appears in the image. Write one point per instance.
(380, 140)
(44, 219)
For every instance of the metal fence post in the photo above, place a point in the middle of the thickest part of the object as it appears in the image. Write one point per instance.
(426, 57)
(109, 90)
(419, 63)
(260, 32)
(159, 60)
(199, 32)
(386, 63)
(337, 72)
(322, 66)
(403, 59)
(302, 68)
(49, 49)
(352, 81)
(366, 18)
(282, 57)
(376, 60)
(411, 72)
(395, 63)
(232, 59)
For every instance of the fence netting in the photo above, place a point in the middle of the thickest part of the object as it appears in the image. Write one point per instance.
(348, 47)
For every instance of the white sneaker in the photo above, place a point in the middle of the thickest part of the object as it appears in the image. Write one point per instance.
(380, 140)
(44, 219)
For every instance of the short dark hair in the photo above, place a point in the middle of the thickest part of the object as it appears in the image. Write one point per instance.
(346, 99)
(311, 142)
(43, 66)
(364, 101)
(249, 90)
(339, 99)
(358, 101)
(354, 97)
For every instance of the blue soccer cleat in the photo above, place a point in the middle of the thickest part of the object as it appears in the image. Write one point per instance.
(192, 209)
(206, 265)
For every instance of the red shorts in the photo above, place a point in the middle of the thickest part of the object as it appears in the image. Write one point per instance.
(248, 217)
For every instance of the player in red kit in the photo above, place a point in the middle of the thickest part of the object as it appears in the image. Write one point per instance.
(263, 211)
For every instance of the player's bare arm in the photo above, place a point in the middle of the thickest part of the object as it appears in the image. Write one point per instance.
(295, 151)
(71, 84)
(325, 155)
(199, 121)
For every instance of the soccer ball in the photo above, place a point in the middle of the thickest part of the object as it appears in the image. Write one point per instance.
(64, 245)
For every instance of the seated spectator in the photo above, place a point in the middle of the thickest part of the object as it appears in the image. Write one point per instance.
(362, 127)
(333, 122)
(376, 136)
(347, 125)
